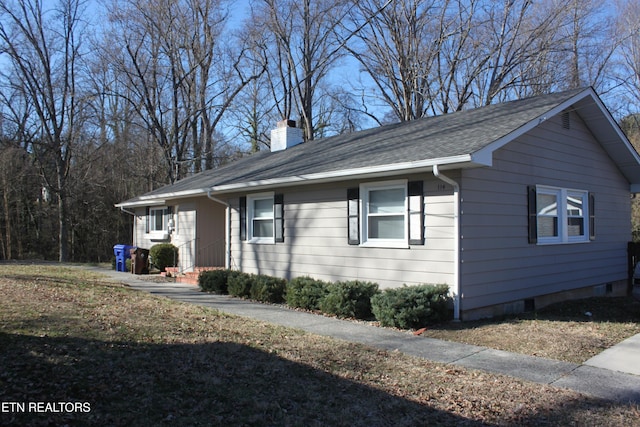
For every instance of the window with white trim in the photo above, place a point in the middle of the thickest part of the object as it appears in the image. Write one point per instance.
(386, 214)
(560, 215)
(261, 218)
(157, 219)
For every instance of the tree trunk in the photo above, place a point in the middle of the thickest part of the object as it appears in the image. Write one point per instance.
(7, 218)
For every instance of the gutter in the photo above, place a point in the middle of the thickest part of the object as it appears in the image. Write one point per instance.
(379, 171)
(355, 173)
(227, 227)
(122, 209)
(455, 288)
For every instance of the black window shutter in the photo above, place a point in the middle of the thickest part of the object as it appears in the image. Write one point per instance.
(416, 212)
(243, 218)
(353, 216)
(533, 220)
(592, 217)
(147, 220)
(278, 217)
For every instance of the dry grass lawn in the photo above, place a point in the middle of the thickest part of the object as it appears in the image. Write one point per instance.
(67, 336)
(572, 331)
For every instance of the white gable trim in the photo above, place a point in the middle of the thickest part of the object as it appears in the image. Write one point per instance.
(487, 151)
(610, 136)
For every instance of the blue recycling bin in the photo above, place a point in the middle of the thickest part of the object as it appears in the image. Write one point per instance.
(122, 252)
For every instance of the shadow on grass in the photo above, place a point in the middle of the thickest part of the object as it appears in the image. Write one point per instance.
(219, 383)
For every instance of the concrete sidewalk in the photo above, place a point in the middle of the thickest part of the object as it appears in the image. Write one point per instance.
(613, 375)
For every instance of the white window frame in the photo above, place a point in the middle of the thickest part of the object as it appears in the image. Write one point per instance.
(152, 219)
(562, 197)
(250, 218)
(365, 190)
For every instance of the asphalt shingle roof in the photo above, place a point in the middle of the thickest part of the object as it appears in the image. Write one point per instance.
(450, 135)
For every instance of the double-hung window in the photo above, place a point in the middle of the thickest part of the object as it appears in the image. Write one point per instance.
(261, 214)
(157, 222)
(261, 218)
(560, 215)
(386, 214)
(157, 218)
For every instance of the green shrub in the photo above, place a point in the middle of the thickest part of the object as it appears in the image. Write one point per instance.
(163, 255)
(268, 289)
(306, 292)
(349, 299)
(412, 306)
(239, 284)
(127, 264)
(214, 281)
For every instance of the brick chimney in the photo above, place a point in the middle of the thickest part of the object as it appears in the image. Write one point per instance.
(285, 135)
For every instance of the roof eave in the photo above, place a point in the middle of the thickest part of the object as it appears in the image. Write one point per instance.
(161, 199)
(455, 162)
(140, 203)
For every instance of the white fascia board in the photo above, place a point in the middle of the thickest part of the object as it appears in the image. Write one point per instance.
(141, 203)
(464, 160)
(487, 152)
(176, 195)
(161, 199)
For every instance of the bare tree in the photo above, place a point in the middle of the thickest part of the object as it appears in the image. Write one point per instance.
(586, 27)
(179, 75)
(627, 74)
(304, 46)
(397, 46)
(43, 45)
(427, 57)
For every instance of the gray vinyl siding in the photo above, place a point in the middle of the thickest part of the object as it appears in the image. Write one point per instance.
(498, 265)
(316, 244)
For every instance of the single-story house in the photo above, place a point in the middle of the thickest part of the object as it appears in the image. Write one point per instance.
(513, 206)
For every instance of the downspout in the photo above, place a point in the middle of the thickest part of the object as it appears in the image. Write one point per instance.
(133, 214)
(455, 288)
(227, 227)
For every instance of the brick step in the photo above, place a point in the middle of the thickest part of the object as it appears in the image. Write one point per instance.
(201, 269)
(189, 280)
(171, 271)
(190, 277)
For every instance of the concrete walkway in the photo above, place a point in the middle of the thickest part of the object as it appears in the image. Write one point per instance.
(612, 375)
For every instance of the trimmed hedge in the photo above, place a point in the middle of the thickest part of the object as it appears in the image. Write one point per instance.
(306, 292)
(239, 284)
(405, 308)
(214, 281)
(349, 299)
(259, 287)
(412, 306)
(164, 255)
(268, 289)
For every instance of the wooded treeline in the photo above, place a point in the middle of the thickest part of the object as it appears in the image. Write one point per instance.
(101, 101)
